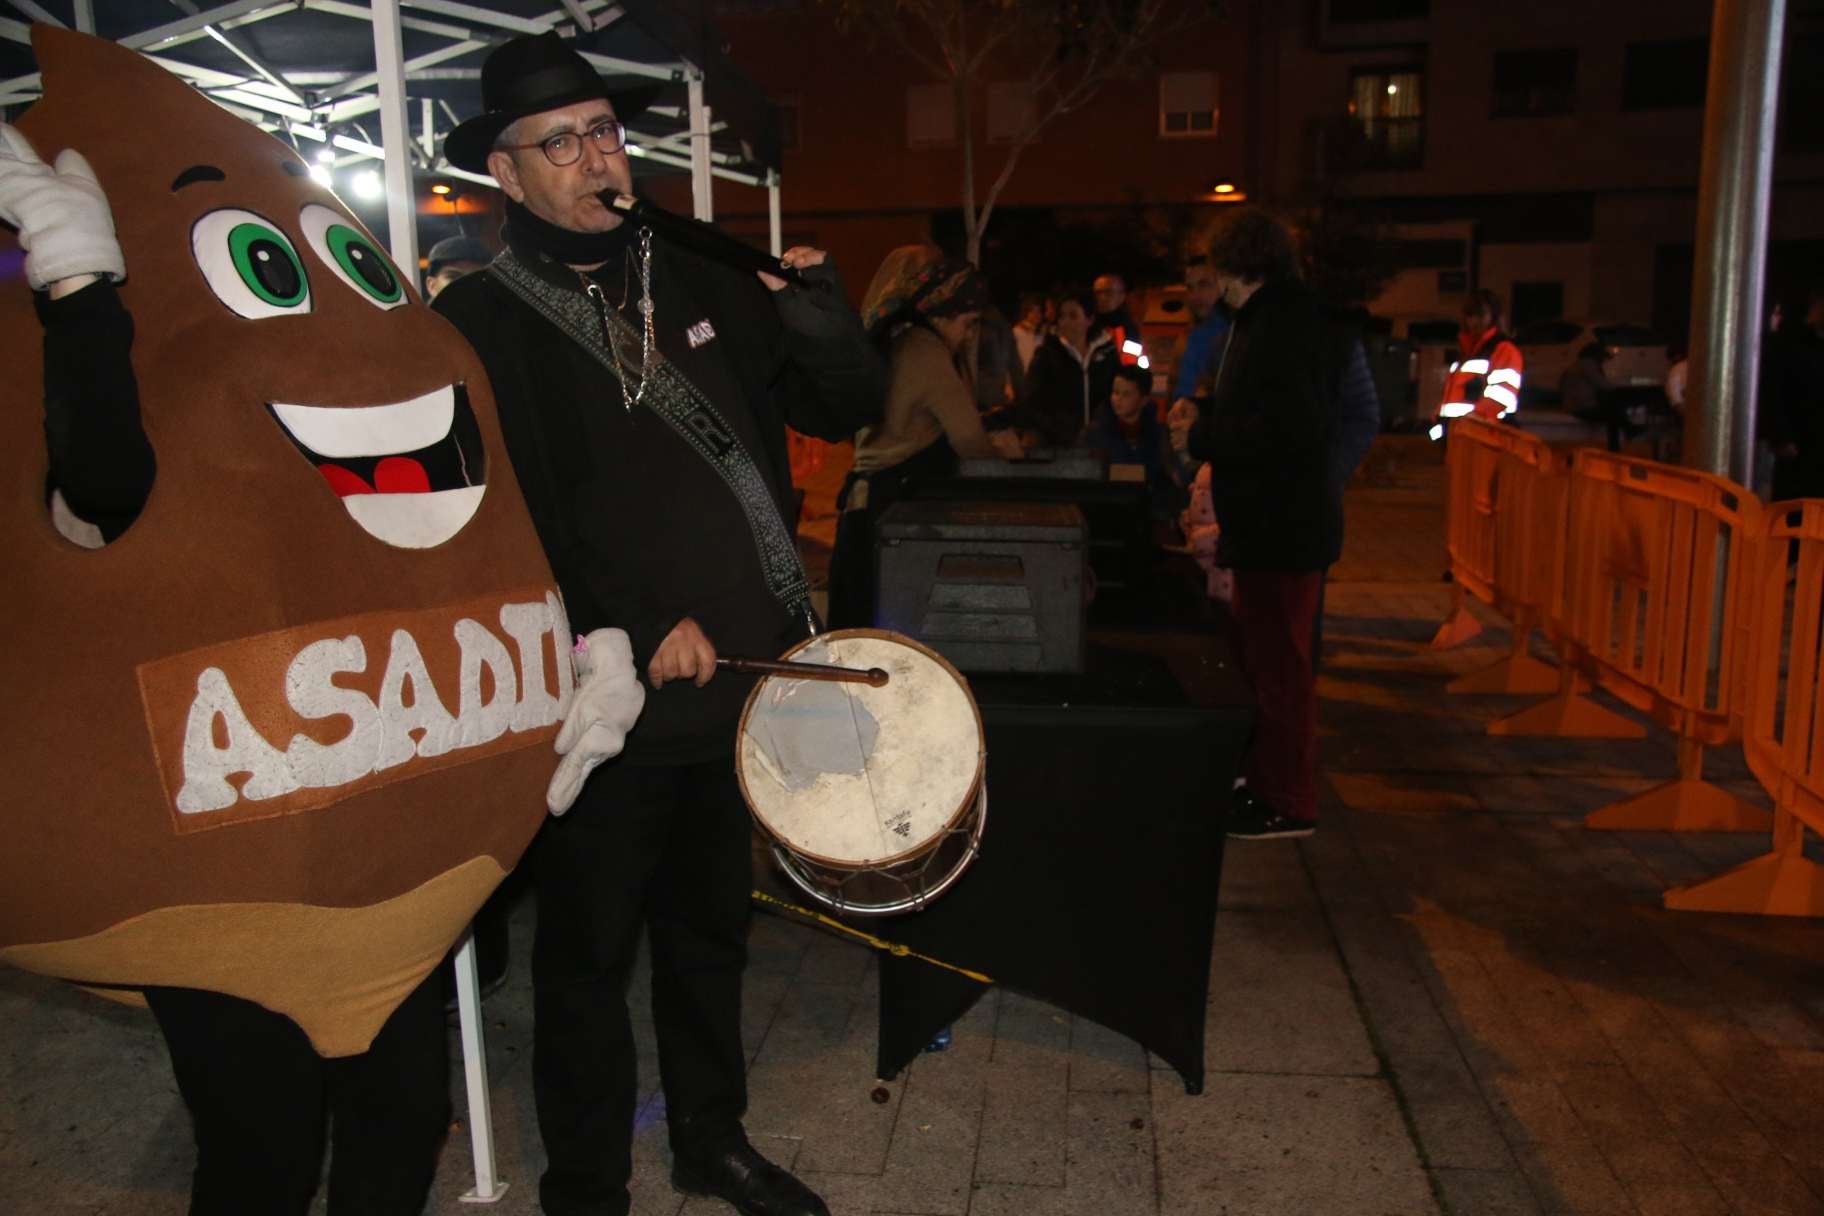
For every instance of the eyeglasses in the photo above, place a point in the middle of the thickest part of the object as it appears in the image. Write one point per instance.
(566, 147)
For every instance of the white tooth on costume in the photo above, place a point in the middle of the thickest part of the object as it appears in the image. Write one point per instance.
(415, 521)
(371, 430)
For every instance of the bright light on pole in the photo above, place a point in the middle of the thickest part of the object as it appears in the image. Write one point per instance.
(366, 185)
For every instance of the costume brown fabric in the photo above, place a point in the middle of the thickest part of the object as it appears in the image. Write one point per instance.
(273, 741)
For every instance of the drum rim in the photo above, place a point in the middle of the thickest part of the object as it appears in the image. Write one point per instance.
(956, 817)
(972, 849)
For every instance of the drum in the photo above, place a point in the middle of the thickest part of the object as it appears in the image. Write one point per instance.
(873, 798)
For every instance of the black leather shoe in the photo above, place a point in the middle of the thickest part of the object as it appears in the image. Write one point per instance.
(744, 1178)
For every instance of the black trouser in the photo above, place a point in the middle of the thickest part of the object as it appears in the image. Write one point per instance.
(258, 1095)
(668, 846)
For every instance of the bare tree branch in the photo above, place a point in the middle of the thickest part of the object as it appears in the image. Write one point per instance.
(1064, 50)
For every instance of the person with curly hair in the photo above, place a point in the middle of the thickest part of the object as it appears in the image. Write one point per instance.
(1267, 438)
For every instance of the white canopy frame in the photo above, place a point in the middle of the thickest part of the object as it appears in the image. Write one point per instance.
(276, 100)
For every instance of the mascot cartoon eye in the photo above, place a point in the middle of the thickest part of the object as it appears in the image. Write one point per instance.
(250, 265)
(348, 252)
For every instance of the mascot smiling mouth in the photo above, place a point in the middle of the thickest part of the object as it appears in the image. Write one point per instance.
(410, 473)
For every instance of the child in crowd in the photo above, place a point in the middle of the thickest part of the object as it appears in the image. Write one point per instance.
(1126, 429)
(1198, 523)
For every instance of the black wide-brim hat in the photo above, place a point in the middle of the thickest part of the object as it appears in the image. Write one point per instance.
(530, 75)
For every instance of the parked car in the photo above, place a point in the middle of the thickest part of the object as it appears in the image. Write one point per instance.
(1637, 355)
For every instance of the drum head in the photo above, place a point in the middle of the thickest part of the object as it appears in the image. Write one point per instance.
(855, 776)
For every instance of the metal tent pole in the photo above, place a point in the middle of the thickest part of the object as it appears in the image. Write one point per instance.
(402, 234)
(396, 138)
(488, 1187)
(701, 184)
(1734, 188)
(774, 228)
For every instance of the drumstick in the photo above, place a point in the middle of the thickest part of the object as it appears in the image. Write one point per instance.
(805, 671)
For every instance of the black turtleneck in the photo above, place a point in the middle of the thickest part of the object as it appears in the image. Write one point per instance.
(525, 229)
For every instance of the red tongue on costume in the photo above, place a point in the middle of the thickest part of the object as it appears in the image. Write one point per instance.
(393, 475)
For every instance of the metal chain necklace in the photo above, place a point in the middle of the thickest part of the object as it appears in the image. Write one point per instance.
(600, 299)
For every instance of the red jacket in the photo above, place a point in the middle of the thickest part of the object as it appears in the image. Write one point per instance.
(1486, 380)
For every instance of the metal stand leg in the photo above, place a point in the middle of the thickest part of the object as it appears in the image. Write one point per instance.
(488, 1188)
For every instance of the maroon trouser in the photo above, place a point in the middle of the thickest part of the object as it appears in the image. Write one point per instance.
(1273, 612)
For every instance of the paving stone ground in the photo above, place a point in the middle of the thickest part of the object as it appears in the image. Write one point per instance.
(1453, 999)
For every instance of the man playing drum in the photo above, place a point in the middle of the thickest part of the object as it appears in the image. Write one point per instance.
(643, 392)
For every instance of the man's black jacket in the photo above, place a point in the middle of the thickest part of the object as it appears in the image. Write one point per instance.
(1267, 435)
(641, 532)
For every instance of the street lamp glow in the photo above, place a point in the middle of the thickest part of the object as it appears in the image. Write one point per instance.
(321, 175)
(326, 157)
(366, 185)
(441, 188)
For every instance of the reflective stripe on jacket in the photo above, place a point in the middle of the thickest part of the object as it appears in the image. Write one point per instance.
(1485, 381)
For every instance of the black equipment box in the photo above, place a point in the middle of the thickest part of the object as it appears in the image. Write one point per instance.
(1121, 555)
(992, 586)
(1071, 464)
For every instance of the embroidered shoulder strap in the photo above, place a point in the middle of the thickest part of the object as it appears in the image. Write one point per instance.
(685, 409)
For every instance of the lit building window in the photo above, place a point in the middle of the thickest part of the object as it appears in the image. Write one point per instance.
(1388, 105)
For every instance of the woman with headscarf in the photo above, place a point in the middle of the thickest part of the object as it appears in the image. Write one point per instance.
(920, 310)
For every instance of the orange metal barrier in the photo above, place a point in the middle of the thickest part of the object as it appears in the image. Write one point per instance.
(807, 454)
(1495, 490)
(1654, 606)
(1783, 722)
(1559, 507)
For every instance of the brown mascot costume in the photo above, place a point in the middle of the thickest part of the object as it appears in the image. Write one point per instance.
(282, 736)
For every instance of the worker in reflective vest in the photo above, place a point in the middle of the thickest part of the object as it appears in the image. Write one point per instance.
(1114, 319)
(1485, 379)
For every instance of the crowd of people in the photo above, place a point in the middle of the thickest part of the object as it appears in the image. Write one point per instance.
(1268, 408)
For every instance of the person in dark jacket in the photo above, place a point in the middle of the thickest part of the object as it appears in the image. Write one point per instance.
(1127, 431)
(1357, 420)
(1585, 391)
(450, 259)
(1114, 318)
(643, 393)
(1268, 438)
(1358, 402)
(1791, 410)
(1070, 375)
(1209, 331)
